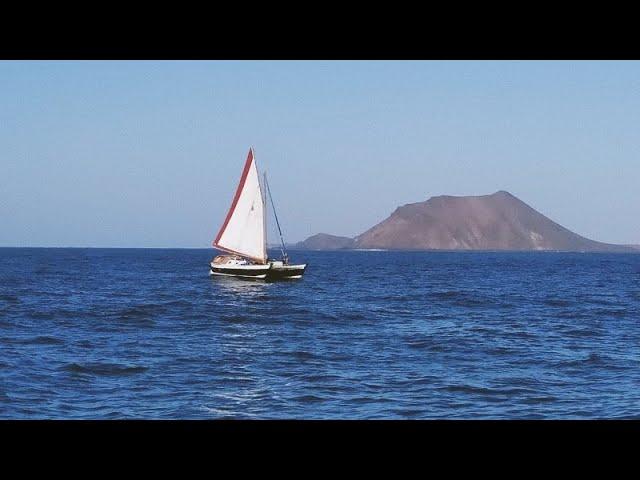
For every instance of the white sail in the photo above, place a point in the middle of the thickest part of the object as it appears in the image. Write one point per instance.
(243, 231)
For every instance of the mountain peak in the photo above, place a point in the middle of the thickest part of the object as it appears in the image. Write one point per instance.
(502, 193)
(498, 194)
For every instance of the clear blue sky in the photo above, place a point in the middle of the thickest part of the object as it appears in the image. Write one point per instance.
(148, 154)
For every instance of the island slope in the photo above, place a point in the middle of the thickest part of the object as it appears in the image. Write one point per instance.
(499, 221)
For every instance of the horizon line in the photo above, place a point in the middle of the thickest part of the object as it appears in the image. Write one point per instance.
(276, 247)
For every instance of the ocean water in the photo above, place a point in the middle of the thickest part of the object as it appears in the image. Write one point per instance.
(137, 333)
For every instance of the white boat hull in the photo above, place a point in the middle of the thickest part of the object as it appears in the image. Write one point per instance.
(259, 277)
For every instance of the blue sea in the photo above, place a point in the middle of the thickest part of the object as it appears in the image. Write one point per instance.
(146, 333)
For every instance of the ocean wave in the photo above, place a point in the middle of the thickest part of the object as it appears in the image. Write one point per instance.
(448, 294)
(364, 400)
(308, 399)
(176, 303)
(141, 311)
(598, 301)
(13, 299)
(303, 355)
(104, 369)
(591, 359)
(407, 412)
(579, 332)
(535, 400)
(496, 391)
(558, 302)
(573, 314)
(433, 345)
(42, 340)
(463, 298)
(42, 315)
(467, 389)
(235, 318)
(321, 378)
(609, 312)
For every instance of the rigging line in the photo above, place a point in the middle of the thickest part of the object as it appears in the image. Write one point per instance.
(275, 215)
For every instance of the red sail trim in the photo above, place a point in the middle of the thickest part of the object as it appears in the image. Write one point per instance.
(243, 178)
(228, 250)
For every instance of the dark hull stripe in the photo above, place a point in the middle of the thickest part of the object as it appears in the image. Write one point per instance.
(276, 274)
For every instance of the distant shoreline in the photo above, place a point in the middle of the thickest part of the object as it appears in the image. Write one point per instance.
(633, 250)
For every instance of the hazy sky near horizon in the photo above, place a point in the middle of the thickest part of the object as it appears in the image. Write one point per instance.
(148, 154)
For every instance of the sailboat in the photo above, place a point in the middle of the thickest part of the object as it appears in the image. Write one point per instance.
(243, 235)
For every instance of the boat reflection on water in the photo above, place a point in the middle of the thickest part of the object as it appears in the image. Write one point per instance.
(239, 286)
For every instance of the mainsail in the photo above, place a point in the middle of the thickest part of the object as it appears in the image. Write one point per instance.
(243, 231)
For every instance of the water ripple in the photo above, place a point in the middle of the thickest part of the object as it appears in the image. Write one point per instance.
(106, 369)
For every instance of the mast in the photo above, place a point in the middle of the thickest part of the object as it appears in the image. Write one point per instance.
(264, 214)
(275, 215)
